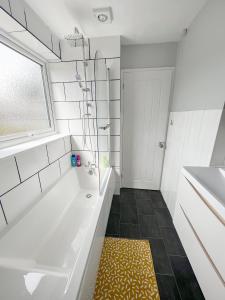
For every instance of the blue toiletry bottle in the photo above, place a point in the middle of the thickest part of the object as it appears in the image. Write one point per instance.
(73, 160)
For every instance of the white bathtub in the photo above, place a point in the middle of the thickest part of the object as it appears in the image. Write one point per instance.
(53, 251)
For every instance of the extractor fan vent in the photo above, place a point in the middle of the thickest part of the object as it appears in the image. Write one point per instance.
(103, 15)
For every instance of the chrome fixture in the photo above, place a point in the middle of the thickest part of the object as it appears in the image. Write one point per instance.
(88, 195)
(162, 145)
(91, 168)
(104, 127)
(78, 40)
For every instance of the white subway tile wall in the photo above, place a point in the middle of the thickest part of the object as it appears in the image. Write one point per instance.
(29, 28)
(8, 174)
(21, 197)
(32, 161)
(69, 110)
(49, 175)
(56, 150)
(27, 174)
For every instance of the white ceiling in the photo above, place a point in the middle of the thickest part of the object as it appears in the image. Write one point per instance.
(137, 21)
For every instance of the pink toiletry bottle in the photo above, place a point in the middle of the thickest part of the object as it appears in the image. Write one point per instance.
(78, 161)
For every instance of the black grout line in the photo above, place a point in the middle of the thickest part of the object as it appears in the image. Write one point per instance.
(60, 171)
(4, 213)
(17, 169)
(88, 81)
(52, 42)
(10, 7)
(47, 154)
(35, 173)
(64, 144)
(89, 48)
(64, 90)
(113, 100)
(39, 181)
(81, 60)
(58, 119)
(25, 17)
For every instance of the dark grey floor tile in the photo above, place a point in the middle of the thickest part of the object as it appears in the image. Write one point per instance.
(186, 280)
(157, 199)
(149, 226)
(160, 259)
(129, 231)
(115, 206)
(144, 207)
(163, 217)
(127, 196)
(167, 287)
(128, 214)
(172, 242)
(142, 194)
(113, 226)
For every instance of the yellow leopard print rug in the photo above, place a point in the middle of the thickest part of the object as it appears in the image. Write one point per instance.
(126, 271)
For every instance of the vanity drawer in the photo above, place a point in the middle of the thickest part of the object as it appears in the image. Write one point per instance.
(207, 226)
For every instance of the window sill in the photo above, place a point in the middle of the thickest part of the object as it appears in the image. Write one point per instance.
(6, 152)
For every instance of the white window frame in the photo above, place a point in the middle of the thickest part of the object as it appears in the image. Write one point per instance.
(17, 138)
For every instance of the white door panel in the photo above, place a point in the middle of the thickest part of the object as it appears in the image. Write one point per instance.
(146, 96)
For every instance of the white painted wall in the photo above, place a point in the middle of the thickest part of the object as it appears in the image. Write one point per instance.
(148, 56)
(200, 68)
(199, 96)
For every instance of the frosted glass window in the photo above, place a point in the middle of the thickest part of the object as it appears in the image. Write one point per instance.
(23, 106)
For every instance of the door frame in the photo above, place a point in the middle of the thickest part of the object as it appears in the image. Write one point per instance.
(133, 70)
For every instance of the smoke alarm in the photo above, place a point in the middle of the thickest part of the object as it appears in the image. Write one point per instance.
(103, 15)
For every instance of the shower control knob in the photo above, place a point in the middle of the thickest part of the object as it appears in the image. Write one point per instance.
(162, 145)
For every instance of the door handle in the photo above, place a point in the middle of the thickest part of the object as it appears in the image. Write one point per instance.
(162, 145)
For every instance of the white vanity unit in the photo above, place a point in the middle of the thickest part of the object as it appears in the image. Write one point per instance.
(200, 222)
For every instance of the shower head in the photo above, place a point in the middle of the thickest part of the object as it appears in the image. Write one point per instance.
(75, 39)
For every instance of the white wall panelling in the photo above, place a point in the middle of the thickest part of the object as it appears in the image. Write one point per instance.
(190, 141)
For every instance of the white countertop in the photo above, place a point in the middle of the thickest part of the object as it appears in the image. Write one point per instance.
(210, 183)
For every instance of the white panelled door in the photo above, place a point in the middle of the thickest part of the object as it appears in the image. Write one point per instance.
(145, 107)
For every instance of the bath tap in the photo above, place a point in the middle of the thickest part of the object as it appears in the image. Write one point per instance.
(91, 167)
